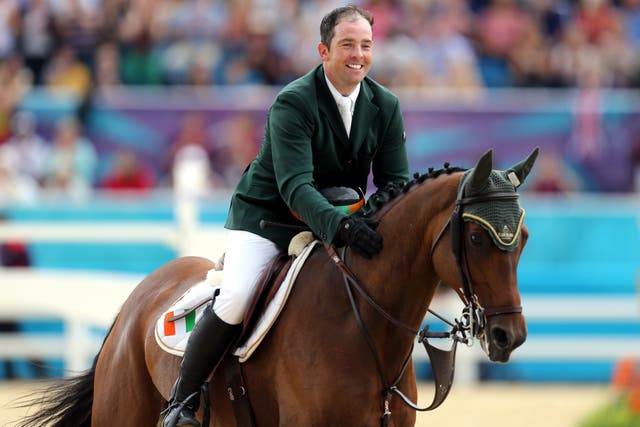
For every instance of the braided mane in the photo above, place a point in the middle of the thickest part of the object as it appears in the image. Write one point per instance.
(392, 190)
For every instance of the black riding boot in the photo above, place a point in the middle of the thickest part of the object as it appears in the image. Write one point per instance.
(207, 344)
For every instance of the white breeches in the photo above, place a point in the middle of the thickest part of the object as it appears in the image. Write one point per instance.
(246, 256)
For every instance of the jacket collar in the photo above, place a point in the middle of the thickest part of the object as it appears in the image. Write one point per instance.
(365, 111)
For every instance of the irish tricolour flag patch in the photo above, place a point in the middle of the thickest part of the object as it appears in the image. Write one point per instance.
(172, 333)
(183, 325)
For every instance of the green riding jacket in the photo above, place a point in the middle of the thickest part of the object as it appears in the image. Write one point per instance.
(305, 147)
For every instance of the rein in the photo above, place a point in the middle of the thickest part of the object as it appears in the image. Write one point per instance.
(442, 361)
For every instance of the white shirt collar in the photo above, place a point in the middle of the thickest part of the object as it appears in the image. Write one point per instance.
(353, 96)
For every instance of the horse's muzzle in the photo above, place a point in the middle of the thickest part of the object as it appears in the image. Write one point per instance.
(505, 333)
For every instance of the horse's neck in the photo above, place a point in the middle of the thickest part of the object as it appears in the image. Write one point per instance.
(403, 279)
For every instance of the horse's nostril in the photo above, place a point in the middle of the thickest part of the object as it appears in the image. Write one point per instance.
(500, 337)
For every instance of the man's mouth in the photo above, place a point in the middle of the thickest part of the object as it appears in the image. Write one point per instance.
(355, 66)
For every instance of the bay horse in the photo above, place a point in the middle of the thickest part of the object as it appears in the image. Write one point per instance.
(321, 365)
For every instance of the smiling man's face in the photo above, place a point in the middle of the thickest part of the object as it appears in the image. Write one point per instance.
(348, 60)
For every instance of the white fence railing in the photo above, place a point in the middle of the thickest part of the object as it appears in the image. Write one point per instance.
(81, 300)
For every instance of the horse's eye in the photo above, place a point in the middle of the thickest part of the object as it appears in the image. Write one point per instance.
(476, 238)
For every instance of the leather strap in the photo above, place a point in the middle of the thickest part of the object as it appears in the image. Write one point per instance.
(206, 404)
(443, 368)
(237, 392)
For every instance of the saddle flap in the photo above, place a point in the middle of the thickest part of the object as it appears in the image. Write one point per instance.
(268, 285)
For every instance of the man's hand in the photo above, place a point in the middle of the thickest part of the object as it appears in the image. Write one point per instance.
(360, 235)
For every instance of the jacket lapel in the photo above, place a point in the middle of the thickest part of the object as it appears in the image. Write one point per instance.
(327, 106)
(363, 115)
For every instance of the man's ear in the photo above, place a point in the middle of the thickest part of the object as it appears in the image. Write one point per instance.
(323, 51)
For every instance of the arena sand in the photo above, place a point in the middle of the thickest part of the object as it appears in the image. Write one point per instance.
(491, 405)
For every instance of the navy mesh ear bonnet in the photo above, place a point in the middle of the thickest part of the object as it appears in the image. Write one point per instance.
(501, 218)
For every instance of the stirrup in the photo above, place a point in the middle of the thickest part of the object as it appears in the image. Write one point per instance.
(177, 408)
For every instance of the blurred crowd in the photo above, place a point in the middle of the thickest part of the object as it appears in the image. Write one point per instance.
(83, 43)
(80, 46)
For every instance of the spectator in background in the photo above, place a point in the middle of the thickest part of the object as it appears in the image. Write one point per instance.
(618, 57)
(596, 18)
(270, 66)
(15, 186)
(71, 167)
(248, 53)
(192, 32)
(304, 33)
(80, 24)
(107, 66)
(37, 36)
(498, 29)
(388, 16)
(402, 66)
(448, 59)
(140, 61)
(573, 55)
(68, 74)
(531, 60)
(128, 173)
(30, 150)
(15, 82)
(199, 74)
(234, 149)
(9, 23)
(550, 16)
(193, 139)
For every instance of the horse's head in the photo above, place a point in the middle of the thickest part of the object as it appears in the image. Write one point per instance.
(487, 237)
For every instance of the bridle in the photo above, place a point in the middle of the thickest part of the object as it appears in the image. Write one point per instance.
(472, 323)
(474, 316)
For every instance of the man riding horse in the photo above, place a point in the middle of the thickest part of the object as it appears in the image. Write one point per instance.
(329, 128)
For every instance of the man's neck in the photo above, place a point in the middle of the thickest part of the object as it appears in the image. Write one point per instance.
(335, 92)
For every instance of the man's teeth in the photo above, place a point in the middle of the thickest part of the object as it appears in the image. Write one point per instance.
(354, 66)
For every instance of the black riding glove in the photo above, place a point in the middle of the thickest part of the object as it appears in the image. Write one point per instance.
(360, 235)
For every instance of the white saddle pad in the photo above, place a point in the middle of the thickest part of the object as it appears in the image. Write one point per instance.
(172, 336)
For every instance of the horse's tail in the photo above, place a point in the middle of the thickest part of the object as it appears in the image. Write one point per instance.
(65, 403)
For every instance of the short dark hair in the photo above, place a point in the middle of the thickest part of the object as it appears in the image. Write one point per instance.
(331, 19)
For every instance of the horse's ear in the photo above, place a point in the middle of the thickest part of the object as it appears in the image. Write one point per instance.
(478, 176)
(522, 169)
